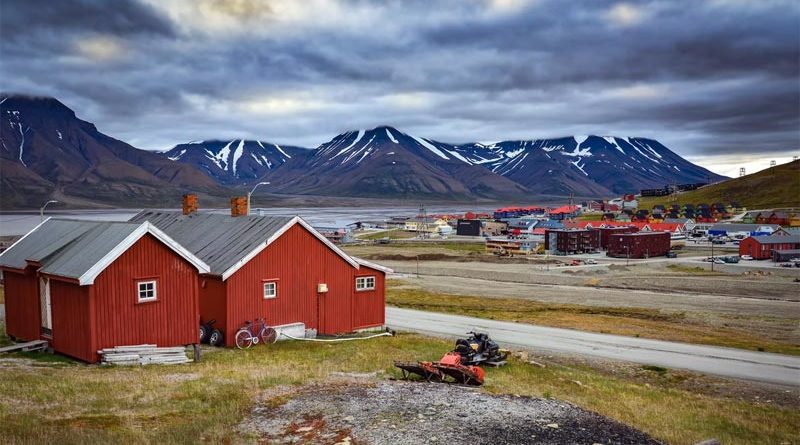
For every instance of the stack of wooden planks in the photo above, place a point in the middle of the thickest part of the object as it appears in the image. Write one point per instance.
(144, 355)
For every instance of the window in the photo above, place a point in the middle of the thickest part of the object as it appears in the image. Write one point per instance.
(365, 283)
(270, 289)
(147, 290)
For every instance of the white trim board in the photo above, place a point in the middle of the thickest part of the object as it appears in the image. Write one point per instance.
(372, 265)
(296, 220)
(90, 275)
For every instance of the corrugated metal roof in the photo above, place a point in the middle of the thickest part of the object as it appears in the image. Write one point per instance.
(79, 256)
(778, 239)
(219, 240)
(67, 247)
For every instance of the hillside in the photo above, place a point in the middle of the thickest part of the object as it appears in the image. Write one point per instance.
(775, 187)
(49, 153)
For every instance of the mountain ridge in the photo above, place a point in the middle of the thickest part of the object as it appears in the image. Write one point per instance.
(48, 151)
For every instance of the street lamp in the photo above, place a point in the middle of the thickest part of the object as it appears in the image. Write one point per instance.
(41, 211)
(251, 192)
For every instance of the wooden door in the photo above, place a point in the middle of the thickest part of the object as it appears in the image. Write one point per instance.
(45, 306)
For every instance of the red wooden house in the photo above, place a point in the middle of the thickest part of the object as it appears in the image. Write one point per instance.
(278, 268)
(88, 285)
(764, 247)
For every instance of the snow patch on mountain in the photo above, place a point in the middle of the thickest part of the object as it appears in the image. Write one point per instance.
(178, 156)
(358, 138)
(237, 154)
(391, 136)
(430, 147)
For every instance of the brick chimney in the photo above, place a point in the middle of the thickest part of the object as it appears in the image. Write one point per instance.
(189, 203)
(239, 206)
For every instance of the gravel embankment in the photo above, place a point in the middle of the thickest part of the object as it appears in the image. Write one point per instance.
(402, 413)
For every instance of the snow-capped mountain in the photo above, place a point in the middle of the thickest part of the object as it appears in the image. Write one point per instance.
(46, 152)
(234, 162)
(385, 162)
(586, 165)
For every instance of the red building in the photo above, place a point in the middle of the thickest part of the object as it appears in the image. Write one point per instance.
(764, 247)
(89, 285)
(278, 268)
(639, 245)
(606, 232)
(572, 240)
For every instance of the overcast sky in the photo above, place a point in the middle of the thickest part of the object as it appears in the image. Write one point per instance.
(717, 81)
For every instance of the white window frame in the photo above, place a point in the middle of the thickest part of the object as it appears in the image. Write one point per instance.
(139, 291)
(362, 283)
(274, 293)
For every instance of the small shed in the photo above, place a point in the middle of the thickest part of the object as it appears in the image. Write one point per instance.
(88, 285)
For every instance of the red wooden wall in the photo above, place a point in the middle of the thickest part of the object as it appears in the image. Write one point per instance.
(72, 322)
(299, 262)
(212, 302)
(23, 317)
(119, 319)
(369, 305)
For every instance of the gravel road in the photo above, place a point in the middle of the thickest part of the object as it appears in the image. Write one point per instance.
(726, 362)
(406, 413)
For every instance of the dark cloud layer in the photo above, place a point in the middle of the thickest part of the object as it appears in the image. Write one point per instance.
(716, 78)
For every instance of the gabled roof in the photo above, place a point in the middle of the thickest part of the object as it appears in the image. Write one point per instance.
(777, 239)
(227, 243)
(82, 249)
(734, 227)
(372, 265)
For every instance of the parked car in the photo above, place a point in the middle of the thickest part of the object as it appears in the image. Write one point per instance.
(746, 257)
(718, 241)
(591, 261)
(719, 261)
(672, 254)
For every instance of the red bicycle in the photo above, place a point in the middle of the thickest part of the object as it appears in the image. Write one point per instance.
(245, 337)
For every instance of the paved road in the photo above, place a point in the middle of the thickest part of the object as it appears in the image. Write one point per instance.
(726, 362)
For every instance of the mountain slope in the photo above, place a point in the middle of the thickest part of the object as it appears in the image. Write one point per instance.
(775, 187)
(385, 162)
(47, 152)
(234, 162)
(586, 165)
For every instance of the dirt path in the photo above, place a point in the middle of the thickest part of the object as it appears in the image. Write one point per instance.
(649, 277)
(405, 413)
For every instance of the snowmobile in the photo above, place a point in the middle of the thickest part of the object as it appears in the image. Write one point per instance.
(461, 364)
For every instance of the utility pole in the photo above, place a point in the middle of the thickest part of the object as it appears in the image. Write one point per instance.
(712, 253)
(251, 192)
(41, 210)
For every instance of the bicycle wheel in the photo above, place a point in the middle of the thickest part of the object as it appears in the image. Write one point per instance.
(244, 339)
(269, 336)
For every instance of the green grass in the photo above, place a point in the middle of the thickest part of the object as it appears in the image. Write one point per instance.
(590, 217)
(391, 234)
(774, 187)
(463, 247)
(632, 322)
(693, 270)
(204, 402)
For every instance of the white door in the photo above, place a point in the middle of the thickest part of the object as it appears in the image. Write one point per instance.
(44, 304)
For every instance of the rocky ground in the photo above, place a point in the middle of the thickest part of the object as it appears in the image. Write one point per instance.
(399, 413)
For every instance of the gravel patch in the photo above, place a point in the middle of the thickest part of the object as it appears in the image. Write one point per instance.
(400, 413)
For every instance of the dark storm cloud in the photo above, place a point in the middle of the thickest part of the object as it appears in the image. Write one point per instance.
(119, 17)
(706, 78)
